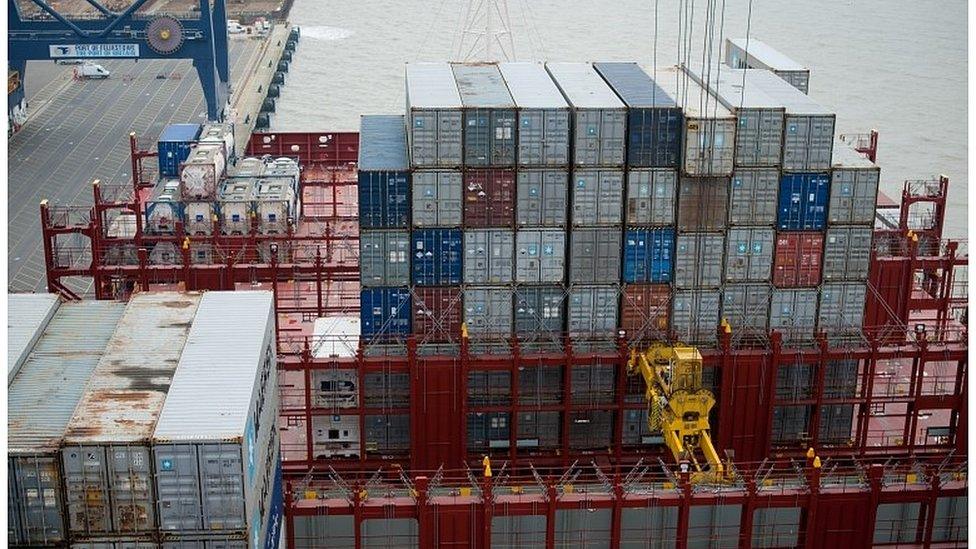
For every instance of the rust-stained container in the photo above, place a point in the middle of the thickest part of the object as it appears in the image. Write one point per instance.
(645, 310)
(437, 313)
(703, 203)
(489, 198)
(797, 260)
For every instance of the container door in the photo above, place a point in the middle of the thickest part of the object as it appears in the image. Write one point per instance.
(178, 487)
(476, 256)
(530, 137)
(130, 483)
(610, 198)
(556, 138)
(612, 136)
(796, 143)
(477, 137)
(448, 199)
(528, 256)
(15, 530)
(86, 489)
(552, 253)
(423, 142)
(449, 139)
(502, 137)
(585, 193)
(372, 258)
(555, 190)
(587, 150)
(38, 490)
(222, 482)
(425, 199)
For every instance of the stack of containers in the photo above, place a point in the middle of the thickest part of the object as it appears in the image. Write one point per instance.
(654, 126)
(596, 198)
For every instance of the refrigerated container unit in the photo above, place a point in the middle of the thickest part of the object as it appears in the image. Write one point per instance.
(654, 120)
(841, 308)
(798, 259)
(751, 53)
(384, 173)
(543, 115)
(489, 198)
(202, 171)
(803, 201)
(698, 260)
(847, 253)
(793, 313)
(276, 206)
(235, 204)
(753, 197)
(215, 446)
(221, 134)
(437, 313)
(746, 308)
(695, 316)
(489, 256)
(437, 257)
(488, 311)
(594, 256)
(593, 310)
(385, 313)
(542, 197)
(27, 317)
(199, 216)
(853, 187)
(652, 196)
(164, 207)
(597, 197)
(598, 116)
(384, 257)
(336, 436)
(703, 204)
(437, 198)
(337, 336)
(648, 255)
(645, 311)
(68, 351)
(539, 313)
(173, 147)
(488, 116)
(540, 256)
(106, 452)
(708, 147)
(434, 108)
(749, 254)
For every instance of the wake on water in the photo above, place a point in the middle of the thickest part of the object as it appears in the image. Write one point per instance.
(325, 33)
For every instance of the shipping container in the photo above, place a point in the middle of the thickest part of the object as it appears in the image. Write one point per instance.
(247, 167)
(437, 313)
(753, 197)
(703, 204)
(751, 53)
(749, 254)
(164, 207)
(698, 260)
(593, 310)
(336, 436)
(71, 346)
(276, 206)
(105, 454)
(385, 312)
(384, 176)
(201, 172)
(841, 307)
(200, 216)
(695, 316)
(645, 310)
(651, 196)
(709, 127)
(489, 198)
(433, 116)
(286, 170)
(540, 255)
(235, 202)
(746, 307)
(336, 336)
(654, 120)
(597, 197)
(436, 257)
(853, 187)
(797, 259)
(648, 255)
(217, 460)
(543, 115)
(488, 116)
(488, 311)
(174, 146)
(165, 253)
(594, 256)
(542, 198)
(759, 131)
(590, 430)
(599, 118)
(489, 256)
(384, 258)
(27, 317)
(803, 201)
(221, 134)
(538, 430)
(437, 198)
(487, 431)
(847, 253)
(539, 312)
(793, 312)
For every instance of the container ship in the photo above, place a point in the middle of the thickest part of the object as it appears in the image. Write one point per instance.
(545, 305)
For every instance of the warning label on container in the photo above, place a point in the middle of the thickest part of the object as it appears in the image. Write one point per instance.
(94, 51)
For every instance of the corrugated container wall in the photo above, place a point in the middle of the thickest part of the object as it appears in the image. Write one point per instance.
(542, 198)
(695, 316)
(539, 312)
(746, 306)
(488, 116)
(797, 259)
(489, 198)
(803, 202)
(384, 312)
(648, 255)
(488, 311)
(433, 116)
(384, 258)
(651, 196)
(793, 312)
(749, 254)
(751, 53)
(654, 121)
(853, 187)
(384, 176)
(27, 317)
(489, 256)
(437, 198)
(594, 256)
(540, 256)
(753, 198)
(841, 307)
(593, 310)
(645, 310)
(543, 115)
(703, 203)
(173, 147)
(597, 197)
(437, 257)
(698, 260)
(437, 313)
(599, 118)
(847, 253)
(759, 130)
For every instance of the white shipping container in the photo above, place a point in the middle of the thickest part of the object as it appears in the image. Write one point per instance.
(752, 53)
(164, 209)
(222, 134)
(336, 436)
(276, 204)
(202, 171)
(27, 317)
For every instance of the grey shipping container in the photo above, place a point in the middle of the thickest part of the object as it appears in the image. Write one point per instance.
(106, 449)
(753, 196)
(593, 310)
(847, 253)
(703, 203)
(38, 413)
(751, 53)
(853, 187)
(695, 316)
(594, 256)
(749, 254)
(542, 198)
(543, 115)
(216, 459)
(651, 196)
(384, 258)
(793, 312)
(746, 306)
(841, 307)
(488, 116)
(539, 312)
(27, 317)
(489, 256)
(436, 198)
(434, 116)
(540, 255)
(598, 197)
(698, 260)
(488, 311)
(599, 116)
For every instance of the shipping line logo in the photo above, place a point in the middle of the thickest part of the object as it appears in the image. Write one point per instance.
(93, 51)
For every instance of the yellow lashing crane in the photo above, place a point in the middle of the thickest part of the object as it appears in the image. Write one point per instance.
(678, 407)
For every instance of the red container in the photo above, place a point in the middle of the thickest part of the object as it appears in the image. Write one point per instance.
(798, 259)
(437, 314)
(887, 302)
(489, 198)
(645, 310)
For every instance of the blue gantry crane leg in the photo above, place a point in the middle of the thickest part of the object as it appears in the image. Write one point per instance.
(127, 34)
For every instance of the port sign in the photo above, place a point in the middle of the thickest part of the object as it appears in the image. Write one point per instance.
(94, 51)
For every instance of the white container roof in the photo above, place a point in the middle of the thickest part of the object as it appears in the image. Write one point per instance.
(583, 87)
(432, 86)
(27, 316)
(531, 86)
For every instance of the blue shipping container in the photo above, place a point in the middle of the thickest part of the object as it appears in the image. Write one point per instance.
(174, 147)
(384, 312)
(384, 200)
(648, 255)
(803, 199)
(437, 256)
